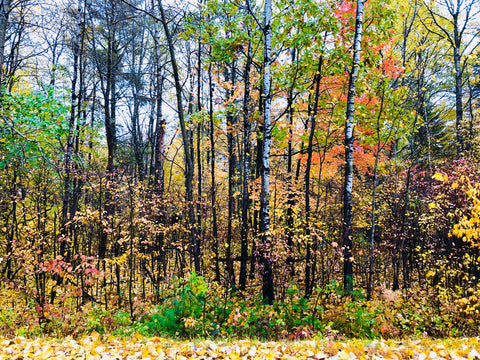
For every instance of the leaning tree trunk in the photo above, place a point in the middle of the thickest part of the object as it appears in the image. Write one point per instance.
(347, 192)
(313, 118)
(186, 141)
(373, 218)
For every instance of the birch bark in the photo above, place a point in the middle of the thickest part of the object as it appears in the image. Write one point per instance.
(349, 124)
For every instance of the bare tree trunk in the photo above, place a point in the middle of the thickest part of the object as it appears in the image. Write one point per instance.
(246, 163)
(463, 15)
(232, 163)
(159, 135)
(374, 200)
(256, 213)
(108, 94)
(313, 117)
(291, 196)
(471, 134)
(347, 194)
(186, 141)
(136, 134)
(212, 174)
(458, 89)
(81, 122)
(67, 185)
(4, 14)
(265, 250)
(201, 232)
(160, 124)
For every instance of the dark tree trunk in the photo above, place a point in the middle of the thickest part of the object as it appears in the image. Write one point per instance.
(212, 174)
(186, 141)
(265, 248)
(246, 164)
(291, 196)
(374, 201)
(199, 136)
(136, 134)
(313, 117)
(68, 183)
(458, 88)
(232, 164)
(160, 124)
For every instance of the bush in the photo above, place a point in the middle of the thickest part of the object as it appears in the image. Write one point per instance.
(183, 314)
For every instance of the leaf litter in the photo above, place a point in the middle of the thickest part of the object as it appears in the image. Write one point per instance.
(105, 347)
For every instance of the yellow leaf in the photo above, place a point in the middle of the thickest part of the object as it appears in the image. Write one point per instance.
(145, 352)
(438, 176)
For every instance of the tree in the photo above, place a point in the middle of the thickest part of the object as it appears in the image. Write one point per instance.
(189, 167)
(265, 247)
(4, 15)
(246, 155)
(347, 192)
(453, 20)
(108, 57)
(77, 45)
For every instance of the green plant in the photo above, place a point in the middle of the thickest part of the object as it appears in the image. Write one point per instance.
(181, 315)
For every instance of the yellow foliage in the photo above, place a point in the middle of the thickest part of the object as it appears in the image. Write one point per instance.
(94, 347)
(469, 226)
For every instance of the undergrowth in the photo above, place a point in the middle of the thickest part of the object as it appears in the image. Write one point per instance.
(193, 308)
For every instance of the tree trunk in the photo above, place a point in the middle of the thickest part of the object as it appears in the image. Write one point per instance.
(313, 117)
(67, 185)
(374, 203)
(347, 193)
(258, 167)
(265, 250)
(201, 232)
(4, 14)
(212, 174)
(232, 163)
(246, 163)
(160, 124)
(186, 141)
(110, 133)
(291, 196)
(458, 89)
(136, 134)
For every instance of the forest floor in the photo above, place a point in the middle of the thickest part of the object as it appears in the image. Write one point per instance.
(101, 347)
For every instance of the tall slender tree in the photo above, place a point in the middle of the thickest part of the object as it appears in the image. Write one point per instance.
(265, 247)
(4, 15)
(189, 167)
(454, 21)
(246, 157)
(349, 124)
